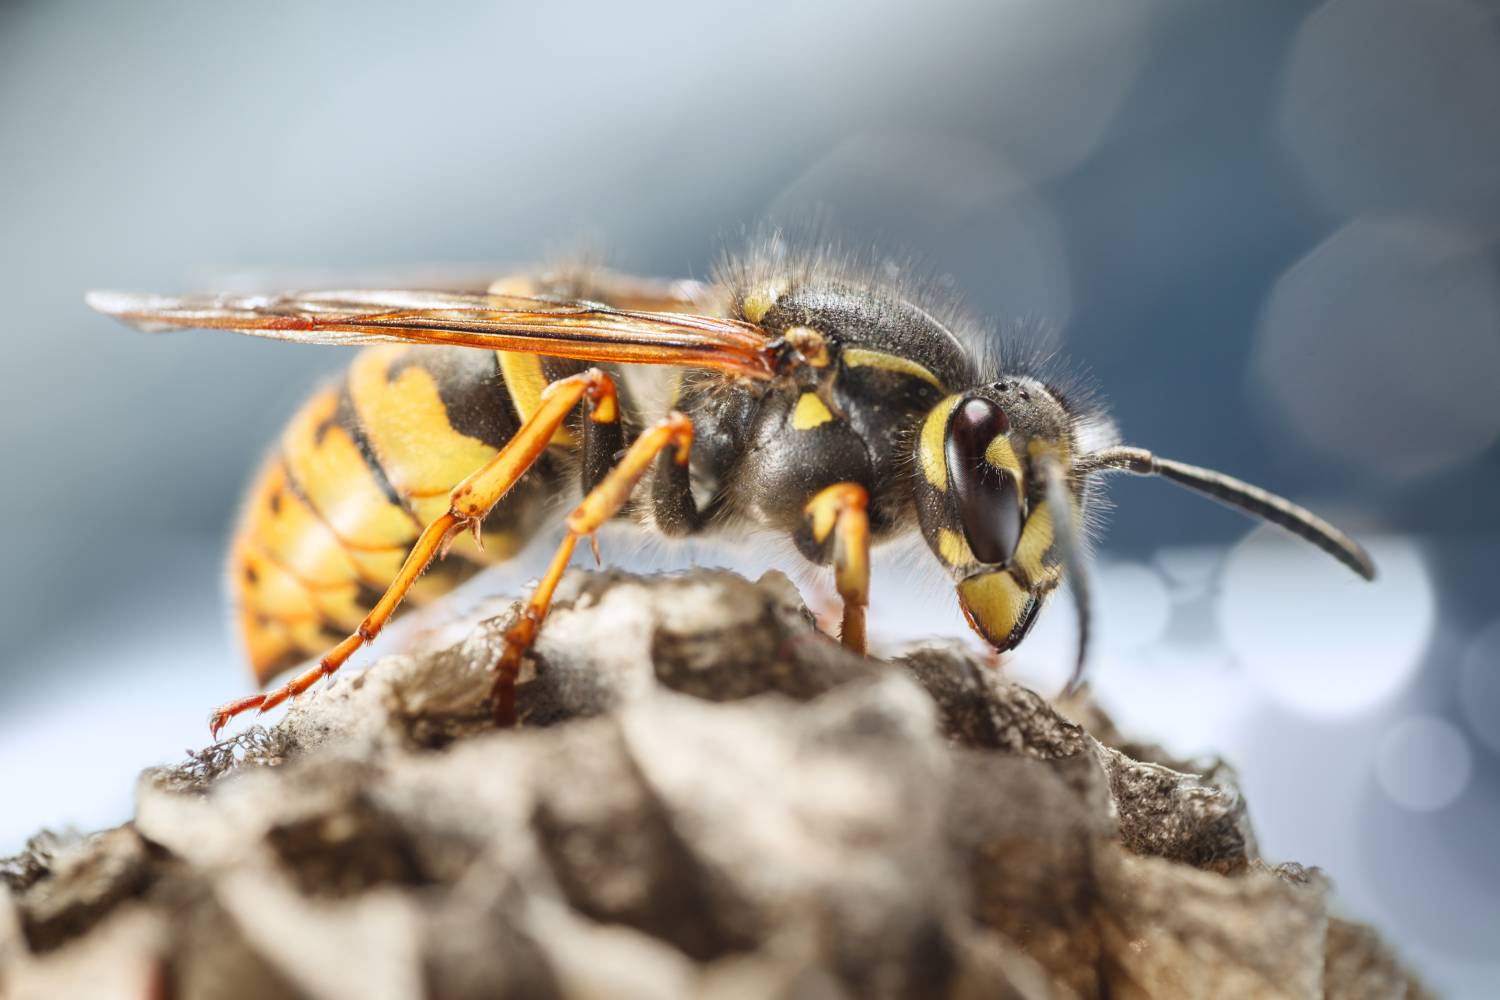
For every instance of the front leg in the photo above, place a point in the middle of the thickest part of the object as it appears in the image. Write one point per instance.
(673, 508)
(838, 512)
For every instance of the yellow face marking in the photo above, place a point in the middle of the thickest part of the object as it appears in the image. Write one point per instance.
(1001, 455)
(1040, 531)
(760, 299)
(856, 357)
(994, 603)
(1036, 539)
(525, 380)
(810, 344)
(810, 412)
(954, 549)
(930, 443)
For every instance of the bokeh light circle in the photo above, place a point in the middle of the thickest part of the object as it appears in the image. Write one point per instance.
(954, 204)
(1315, 637)
(1423, 763)
(1054, 75)
(1132, 609)
(1382, 347)
(1391, 105)
(1479, 686)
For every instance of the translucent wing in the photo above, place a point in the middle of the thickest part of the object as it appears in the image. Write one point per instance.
(569, 328)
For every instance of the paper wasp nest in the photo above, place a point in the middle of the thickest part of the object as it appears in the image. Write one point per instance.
(708, 799)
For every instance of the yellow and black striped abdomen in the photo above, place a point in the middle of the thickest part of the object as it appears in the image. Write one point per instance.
(361, 468)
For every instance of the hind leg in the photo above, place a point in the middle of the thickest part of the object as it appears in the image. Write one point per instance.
(470, 501)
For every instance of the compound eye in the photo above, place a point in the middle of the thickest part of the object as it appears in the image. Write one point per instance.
(987, 496)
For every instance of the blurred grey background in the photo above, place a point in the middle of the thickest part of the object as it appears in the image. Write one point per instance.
(1269, 230)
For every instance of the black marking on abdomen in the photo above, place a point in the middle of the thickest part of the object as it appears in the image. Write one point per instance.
(472, 390)
(346, 417)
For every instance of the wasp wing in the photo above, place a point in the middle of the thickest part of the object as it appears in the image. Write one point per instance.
(569, 328)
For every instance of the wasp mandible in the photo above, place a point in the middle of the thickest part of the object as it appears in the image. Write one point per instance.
(815, 398)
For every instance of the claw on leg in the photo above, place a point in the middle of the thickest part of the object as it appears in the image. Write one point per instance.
(469, 503)
(224, 713)
(520, 636)
(601, 504)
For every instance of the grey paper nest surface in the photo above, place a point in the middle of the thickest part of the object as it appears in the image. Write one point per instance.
(708, 799)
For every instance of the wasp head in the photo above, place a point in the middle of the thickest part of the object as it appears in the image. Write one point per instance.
(981, 502)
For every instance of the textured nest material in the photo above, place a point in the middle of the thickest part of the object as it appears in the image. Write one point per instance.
(708, 799)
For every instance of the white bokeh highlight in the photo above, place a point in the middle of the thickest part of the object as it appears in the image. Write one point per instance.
(1381, 348)
(1133, 604)
(1123, 620)
(1423, 763)
(1314, 637)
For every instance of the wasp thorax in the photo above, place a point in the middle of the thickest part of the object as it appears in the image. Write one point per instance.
(819, 319)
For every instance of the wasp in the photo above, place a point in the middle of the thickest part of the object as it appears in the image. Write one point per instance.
(835, 405)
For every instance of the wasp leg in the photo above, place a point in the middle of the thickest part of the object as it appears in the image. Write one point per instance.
(674, 510)
(839, 510)
(469, 502)
(598, 506)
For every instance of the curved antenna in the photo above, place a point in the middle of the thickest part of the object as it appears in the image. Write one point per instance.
(1068, 540)
(1238, 494)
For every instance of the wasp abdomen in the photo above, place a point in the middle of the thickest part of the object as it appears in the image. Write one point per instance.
(359, 471)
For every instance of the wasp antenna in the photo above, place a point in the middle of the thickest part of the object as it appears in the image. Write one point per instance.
(1240, 495)
(1069, 542)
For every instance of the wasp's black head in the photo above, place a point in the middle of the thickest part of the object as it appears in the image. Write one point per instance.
(980, 503)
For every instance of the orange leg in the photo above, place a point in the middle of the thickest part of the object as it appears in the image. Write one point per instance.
(470, 501)
(601, 503)
(840, 510)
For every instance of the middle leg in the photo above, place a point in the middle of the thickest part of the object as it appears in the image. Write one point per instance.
(600, 504)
